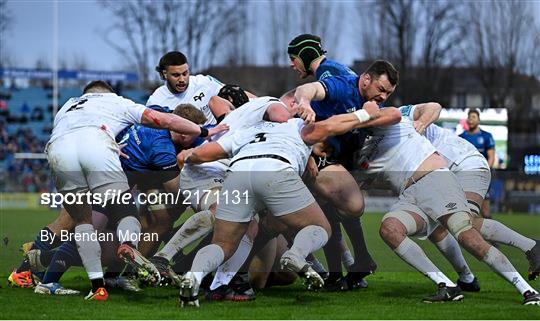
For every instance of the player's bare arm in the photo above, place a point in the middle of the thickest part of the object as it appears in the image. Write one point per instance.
(220, 107)
(384, 117)
(303, 97)
(155, 119)
(250, 95)
(490, 157)
(219, 128)
(205, 153)
(340, 124)
(425, 114)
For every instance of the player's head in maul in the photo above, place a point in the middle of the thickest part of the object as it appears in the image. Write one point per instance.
(173, 67)
(191, 113)
(303, 51)
(98, 86)
(378, 82)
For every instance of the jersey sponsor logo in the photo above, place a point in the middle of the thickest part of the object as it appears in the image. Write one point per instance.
(170, 166)
(451, 206)
(325, 74)
(135, 135)
(200, 96)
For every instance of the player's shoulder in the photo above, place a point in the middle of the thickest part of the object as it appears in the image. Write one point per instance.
(158, 95)
(123, 100)
(331, 68)
(296, 122)
(346, 80)
(150, 133)
(159, 90)
(204, 80)
(485, 133)
(259, 102)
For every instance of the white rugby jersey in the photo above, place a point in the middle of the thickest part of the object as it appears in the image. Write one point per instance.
(250, 114)
(107, 111)
(282, 139)
(204, 171)
(396, 151)
(198, 93)
(454, 148)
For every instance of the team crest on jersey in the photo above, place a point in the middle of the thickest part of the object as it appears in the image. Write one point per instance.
(480, 140)
(200, 96)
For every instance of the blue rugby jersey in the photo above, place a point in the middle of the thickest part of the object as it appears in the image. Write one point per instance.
(152, 156)
(481, 140)
(329, 68)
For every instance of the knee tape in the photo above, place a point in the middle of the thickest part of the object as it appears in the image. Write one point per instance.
(458, 223)
(405, 218)
(474, 207)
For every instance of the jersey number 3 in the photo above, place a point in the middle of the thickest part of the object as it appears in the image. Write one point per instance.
(260, 137)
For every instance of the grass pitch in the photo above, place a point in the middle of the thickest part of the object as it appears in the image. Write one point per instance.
(394, 292)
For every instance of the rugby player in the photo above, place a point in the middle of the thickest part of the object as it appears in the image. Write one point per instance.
(485, 144)
(408, 161)
(339, 95)
(267, 161)
(308, 59)
(473, 172)
(96, 118)
(182, 88)
(203, 183)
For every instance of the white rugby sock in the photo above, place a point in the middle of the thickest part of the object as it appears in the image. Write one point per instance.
(449, 247)
(207, 260)
(413, 254)
(128, 230)
(500, 264)
(89, 250)
(492, 230)
(309, 239)
(195, 227)
(227, 270)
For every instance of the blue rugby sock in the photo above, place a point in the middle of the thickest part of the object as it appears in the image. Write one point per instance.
(65, 257)
(41, 242)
